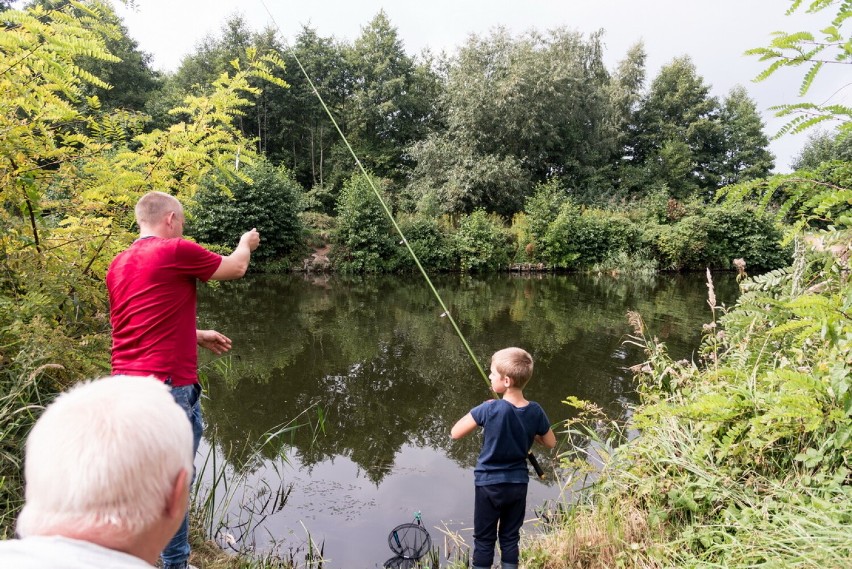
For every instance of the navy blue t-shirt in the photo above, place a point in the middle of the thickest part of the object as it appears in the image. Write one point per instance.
(508, 435)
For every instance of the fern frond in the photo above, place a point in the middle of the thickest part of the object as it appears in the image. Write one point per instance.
(809, 78)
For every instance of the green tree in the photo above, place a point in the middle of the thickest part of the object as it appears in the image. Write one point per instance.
(308, 136)
(518, 111)
(271, 202)
(678, 124)
(745, 144)
(823, 146)
(232, 50)
(392, 99)
(364, 237)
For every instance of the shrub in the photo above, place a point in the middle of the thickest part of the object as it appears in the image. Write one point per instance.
(542, 208)
(482, 243)
(365, 238)
(715, 238)
(271, 203)
(430, 241)
(578, 238)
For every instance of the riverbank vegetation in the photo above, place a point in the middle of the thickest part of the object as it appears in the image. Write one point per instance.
(520, 151)
(742, 457)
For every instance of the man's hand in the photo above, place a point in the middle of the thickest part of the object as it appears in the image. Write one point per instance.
(213, 341)
(250, 239)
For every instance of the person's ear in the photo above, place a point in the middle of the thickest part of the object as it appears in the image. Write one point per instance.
(178, 499)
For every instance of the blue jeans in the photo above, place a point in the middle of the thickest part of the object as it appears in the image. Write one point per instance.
(176, 553)
(498, 511)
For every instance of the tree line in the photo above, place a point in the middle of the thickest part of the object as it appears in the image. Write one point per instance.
(481, 127)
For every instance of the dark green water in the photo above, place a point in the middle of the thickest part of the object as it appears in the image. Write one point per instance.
(391, 377)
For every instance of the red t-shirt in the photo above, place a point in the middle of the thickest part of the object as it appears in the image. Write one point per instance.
(152, 307)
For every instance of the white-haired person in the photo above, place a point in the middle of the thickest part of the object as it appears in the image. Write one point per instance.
(107, 473)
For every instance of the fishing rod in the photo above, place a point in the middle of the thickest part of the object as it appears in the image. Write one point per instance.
(404, 241)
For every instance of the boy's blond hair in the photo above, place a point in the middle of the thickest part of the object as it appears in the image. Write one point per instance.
(514, 363)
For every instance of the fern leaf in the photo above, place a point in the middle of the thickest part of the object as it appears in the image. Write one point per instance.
(809, 78)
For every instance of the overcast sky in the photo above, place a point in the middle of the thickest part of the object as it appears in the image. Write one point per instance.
(714, 34)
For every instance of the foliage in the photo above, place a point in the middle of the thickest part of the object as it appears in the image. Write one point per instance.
(542, 208)
(822, 147)
(69, 175)
(271, 202)
(678, 133)
(582, 237)
(745, 145)
(482, 243)
(716, 235)
(831, 46)
(364, 239)
(516, 110)
(431, 241)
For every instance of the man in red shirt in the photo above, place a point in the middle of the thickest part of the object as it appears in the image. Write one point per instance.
(152, 310)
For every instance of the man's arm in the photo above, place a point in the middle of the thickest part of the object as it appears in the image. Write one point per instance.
(235, 265)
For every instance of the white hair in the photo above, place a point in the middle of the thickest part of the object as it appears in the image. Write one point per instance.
(105, 456)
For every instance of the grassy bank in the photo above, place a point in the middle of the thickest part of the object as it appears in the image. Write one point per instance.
(744, 454)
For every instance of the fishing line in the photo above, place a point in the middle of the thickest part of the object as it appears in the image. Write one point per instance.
(381, 200)
(387, 211)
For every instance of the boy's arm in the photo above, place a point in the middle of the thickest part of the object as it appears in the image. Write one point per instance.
(548, 439)
(463, 427)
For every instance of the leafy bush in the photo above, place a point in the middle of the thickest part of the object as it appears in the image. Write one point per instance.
(430, 241)
(716, 237)
(742, 232)
(365, 239)
(271, 203)
(542, 208)
(482, 243)
(578, 238)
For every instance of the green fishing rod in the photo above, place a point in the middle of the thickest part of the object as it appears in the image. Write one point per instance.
(446, 311)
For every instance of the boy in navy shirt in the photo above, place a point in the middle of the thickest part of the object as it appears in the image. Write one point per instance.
(510, 425)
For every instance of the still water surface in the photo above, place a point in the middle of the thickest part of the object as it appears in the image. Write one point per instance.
(390, 377)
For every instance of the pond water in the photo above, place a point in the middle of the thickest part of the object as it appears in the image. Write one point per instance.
(388, 377)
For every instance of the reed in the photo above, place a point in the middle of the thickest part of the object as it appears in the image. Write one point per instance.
(22, 398)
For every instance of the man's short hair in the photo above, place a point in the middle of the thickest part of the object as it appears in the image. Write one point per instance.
(514, 363)
(153, 207)
(105, 456)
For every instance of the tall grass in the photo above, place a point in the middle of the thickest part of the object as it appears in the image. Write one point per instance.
(22, 399)
(228, 506)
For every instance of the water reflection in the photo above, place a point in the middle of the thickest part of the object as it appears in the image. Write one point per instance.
(391, 375)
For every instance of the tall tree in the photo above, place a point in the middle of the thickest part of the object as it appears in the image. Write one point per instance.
(626, 92)
(392, 98)
(232, 51)
(526, 109)
(823, 146)
(746, 156)
(678, 110)
(308, 136)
